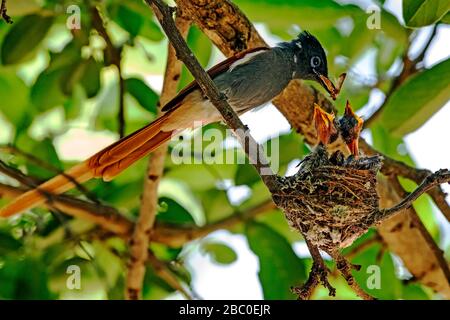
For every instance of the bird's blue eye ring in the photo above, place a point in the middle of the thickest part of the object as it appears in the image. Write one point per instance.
(315, 61)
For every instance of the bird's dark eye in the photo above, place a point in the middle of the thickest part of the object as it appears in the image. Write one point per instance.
(315, 61)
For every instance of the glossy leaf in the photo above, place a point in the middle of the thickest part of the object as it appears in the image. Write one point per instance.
(416, 100)
(219, 252)
(146, 97)
(22, 39)
(419, 13)
(12, 86)
(279, 267)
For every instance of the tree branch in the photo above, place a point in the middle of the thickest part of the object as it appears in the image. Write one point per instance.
(4, 14)
(231, 32)
(178, 236)
(317, 275)
(437, 178)
(392, 167)
(149, 204)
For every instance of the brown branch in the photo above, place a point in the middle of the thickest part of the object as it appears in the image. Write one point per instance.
(49, 167)
(437, 178)
(392, 167)
(410, 67)
(149, 203)
(407, 237)
(4, 14)
(345, 269)
(318, 274)
(231, 32)
(106, 217)
(112, 55)
(163, 271)
(217, 98)
(178, 236)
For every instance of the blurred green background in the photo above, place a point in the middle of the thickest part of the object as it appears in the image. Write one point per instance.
(59, 100)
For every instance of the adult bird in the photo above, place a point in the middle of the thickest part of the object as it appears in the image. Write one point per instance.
(248, 79)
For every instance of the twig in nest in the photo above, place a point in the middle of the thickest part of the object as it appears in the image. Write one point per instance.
(3, 12)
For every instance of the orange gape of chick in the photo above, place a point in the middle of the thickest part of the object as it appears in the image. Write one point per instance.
(248, 79)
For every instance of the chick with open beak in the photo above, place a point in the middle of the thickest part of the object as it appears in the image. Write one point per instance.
(324, 123)
(350, 126)
(328, 128)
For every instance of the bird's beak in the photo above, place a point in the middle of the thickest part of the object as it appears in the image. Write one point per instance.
(329, 85)
(353, 145)
(324, 123)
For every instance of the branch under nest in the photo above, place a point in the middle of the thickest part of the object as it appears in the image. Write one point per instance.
(332, 201)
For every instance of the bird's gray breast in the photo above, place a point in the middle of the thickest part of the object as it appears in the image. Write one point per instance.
(256, 81)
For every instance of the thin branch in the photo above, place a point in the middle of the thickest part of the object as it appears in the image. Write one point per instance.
(417, 224)
(111, 220)
(49, 167)
(345, 268)
(410, 67)
(439, 177)
(149, 203)
(4, 14)
(163, 271)
(106, 217)
(177, 236)
(318, 274)
(392, 167)
(217, 98)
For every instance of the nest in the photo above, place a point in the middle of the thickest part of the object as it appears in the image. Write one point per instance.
(331, 200)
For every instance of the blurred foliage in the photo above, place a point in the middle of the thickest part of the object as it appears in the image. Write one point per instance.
(53, 79)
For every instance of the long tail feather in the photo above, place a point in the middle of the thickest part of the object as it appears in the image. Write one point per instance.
(59, 184)
(122, 148)
(109, 172)
(107, 163)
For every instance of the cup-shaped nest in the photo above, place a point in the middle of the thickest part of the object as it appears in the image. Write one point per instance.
(331, 200)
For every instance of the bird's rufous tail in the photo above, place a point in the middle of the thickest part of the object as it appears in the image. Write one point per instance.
(107, 164)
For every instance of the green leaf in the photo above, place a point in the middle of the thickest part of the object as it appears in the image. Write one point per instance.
(411, 105)
(277, 221)
(246, 174)
(284, 13)
(419, 13)
(389, 50)
(172, 212)
(23, 38)
(202, 48)
(24, 279)
(374, 273)
(90, 80)
(279, 266)
(219, 252)
(13, 96)
(151, 31)
(8, 243)
(46, 92)
(146, 97)
(127, 18)
(446, 18)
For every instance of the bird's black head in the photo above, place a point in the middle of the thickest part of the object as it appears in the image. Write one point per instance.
(311, 60)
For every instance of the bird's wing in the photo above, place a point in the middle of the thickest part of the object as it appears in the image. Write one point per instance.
(213, 72)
